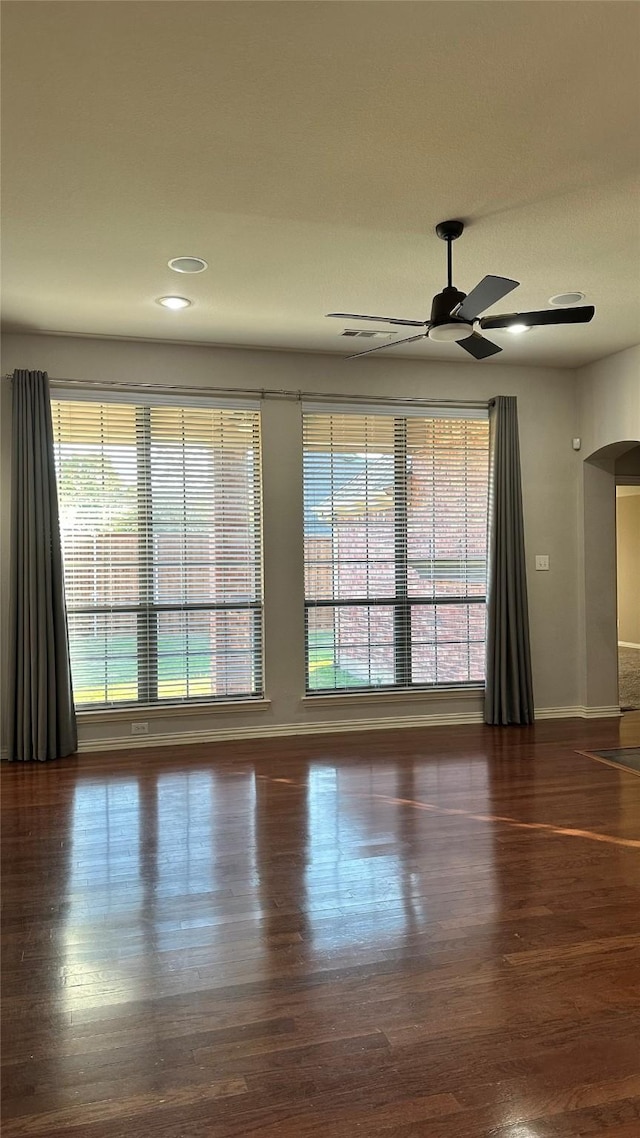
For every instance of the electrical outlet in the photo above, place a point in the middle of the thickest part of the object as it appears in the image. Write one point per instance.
(139, 728)
(542, 560)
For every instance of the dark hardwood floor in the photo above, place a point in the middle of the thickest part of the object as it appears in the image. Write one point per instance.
(420, 933)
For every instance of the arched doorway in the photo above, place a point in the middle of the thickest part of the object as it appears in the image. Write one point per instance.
(599, 648)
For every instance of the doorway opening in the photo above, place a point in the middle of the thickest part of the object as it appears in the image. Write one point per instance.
(628, 590)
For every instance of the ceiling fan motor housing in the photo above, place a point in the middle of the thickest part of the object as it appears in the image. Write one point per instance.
(444, 326)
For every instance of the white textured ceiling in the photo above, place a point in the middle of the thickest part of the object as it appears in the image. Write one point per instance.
(307, 150)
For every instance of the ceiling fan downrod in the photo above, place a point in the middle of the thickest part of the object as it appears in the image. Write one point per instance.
(444, 326)
(449, 231)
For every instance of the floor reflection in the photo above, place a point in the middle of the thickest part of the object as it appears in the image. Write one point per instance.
(106, 893)
(247, 872)
(186, 880)
(186, 845)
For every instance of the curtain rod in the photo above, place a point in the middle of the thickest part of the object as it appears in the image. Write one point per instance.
(269, 393)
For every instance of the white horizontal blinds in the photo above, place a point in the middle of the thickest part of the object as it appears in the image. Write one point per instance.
(395, 548)
(160, 513)
(446, 530)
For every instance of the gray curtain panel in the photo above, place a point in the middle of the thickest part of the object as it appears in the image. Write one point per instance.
(508, 690)
(42, 721)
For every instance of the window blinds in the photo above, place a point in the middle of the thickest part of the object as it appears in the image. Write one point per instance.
(160, 516)
(395, 509)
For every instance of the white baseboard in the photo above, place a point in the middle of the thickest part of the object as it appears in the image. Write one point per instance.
(627, 644)
(279, 730)
(612, 712)
(578, 712)
(558, 712)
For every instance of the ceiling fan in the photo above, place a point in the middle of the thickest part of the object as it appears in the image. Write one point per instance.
(453, 314)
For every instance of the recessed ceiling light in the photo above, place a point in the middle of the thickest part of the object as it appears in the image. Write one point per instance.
(187, 264)
(517, 329)
(563, 299)
(174, 302)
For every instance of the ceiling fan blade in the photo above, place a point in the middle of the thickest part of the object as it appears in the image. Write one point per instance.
(479, 347)
(379, 319)
(488, 292)
(392, 344)
(580, 315)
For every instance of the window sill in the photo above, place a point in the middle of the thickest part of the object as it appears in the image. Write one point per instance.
(157, 711)
(419, 695)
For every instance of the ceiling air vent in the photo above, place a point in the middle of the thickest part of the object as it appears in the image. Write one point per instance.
(368, 335)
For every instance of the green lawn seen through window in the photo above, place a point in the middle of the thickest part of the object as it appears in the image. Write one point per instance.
(91, 658)
(323, 673)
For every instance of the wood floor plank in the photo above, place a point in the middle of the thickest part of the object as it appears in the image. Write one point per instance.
(418, 934)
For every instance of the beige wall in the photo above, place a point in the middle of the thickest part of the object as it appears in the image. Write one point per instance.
(548, 420)
(597, 643)
(628, 550)
(609, 400)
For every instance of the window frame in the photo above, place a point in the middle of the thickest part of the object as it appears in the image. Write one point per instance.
(147, 612)
(402, 602)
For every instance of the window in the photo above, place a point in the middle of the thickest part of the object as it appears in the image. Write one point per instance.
(395, 510)
(160, 517)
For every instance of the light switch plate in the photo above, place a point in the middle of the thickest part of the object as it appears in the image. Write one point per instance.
(542, 560)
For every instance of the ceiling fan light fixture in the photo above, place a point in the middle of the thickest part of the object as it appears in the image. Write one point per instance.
(518, 329)
(450, 332)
